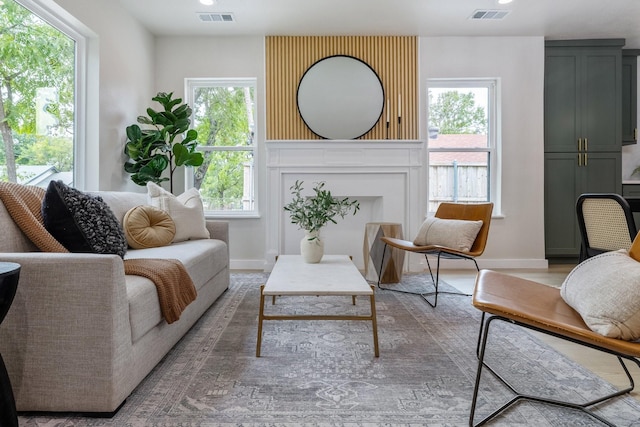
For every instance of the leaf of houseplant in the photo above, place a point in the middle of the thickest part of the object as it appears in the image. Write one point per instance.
(184, 156)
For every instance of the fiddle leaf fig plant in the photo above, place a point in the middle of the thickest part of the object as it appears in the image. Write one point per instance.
(156, 147)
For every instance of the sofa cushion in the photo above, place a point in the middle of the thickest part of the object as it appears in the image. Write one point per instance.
(451, 233)
(186, 210)
(203, 259)
(121, 201)
(605, 290)
(81, 222)
(148, 227)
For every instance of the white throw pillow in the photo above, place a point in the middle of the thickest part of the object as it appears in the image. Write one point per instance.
(186, 210)
(452, 233)
(605, 290)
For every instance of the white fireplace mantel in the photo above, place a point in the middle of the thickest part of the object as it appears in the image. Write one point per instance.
(387, 177)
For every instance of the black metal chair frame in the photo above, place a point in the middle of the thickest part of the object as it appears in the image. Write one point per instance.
(439, 254)
(584, 407)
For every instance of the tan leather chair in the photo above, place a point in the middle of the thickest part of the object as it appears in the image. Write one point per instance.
(538, 307)
(462, 211)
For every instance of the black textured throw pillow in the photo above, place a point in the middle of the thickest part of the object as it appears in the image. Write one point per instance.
(81, 222)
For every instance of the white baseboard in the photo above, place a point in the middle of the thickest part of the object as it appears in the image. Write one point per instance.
(516, 264)
(247, 264)
(494, 264)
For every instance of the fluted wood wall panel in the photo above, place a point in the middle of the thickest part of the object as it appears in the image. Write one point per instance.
(394, 59)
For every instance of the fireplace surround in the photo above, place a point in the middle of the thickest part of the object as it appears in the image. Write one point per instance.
(387, 177)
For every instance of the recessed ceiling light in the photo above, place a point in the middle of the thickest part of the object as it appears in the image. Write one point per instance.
(210, 2)
(504, 1)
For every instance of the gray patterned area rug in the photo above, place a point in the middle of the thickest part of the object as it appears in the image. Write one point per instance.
(324, 373)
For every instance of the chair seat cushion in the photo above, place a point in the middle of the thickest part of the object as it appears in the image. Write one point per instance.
(605, 290)
(452, 233)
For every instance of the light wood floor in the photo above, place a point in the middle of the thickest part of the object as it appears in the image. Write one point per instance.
(606, 366)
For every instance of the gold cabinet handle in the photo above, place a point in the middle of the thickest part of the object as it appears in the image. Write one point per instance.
(579, 159)
(586, 160)
(586, 148)
(579, 144)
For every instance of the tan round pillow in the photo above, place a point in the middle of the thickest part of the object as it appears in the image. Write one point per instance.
(148, 227)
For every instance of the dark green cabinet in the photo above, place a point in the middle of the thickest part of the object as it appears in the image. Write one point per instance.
(565, 178)
(583, 132)
(630, 96)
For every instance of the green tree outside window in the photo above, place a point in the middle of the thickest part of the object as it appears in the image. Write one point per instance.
(36, 92)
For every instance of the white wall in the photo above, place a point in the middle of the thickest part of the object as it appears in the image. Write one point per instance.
(133, 66)
(516, 239)
(126, 83)
(221, 57)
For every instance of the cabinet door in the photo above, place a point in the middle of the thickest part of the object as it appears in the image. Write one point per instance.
(601, 174)
(562, 181)
(629, 97)
(561, 102)
(601, 99)
(582, 99)
(567, 175)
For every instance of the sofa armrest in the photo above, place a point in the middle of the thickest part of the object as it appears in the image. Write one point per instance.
(218, 229)
(68, 324)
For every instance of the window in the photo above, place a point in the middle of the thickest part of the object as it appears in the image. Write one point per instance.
(38, 77)
(463, 141)
(224, 116)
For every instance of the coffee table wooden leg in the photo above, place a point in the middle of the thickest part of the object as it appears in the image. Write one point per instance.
(260, 319)
(374, 323)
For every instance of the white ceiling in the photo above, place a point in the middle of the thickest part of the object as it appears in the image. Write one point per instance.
(554, 19)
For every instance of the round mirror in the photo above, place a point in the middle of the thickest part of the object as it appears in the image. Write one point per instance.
(340, 97)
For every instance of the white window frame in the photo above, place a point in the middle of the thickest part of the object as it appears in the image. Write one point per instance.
(190, 85)
(494, 142)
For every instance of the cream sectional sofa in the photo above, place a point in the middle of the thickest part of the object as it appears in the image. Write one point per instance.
(80, 334)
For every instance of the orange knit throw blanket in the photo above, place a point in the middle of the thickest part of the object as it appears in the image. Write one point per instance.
(174, 285)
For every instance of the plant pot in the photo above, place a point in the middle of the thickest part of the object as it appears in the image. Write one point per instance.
(312, 247)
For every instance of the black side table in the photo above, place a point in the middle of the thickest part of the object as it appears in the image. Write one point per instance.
(9, 274)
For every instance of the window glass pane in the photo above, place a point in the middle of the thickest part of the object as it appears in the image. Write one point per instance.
(454, 112)
(458, 177)
(459, 144)
(228, 183)
(38, 77)
(223, 115)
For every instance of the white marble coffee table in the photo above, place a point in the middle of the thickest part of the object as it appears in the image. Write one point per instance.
(335, 275)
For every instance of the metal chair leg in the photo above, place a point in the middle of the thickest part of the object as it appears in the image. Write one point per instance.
(584, 407)
(435, 281)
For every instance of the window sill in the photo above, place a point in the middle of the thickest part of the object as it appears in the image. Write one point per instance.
(238, 215)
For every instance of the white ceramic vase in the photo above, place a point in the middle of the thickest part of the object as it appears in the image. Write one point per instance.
(312, 247)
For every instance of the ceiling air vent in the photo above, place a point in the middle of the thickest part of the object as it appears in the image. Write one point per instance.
(216, 17)
(489, 14)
